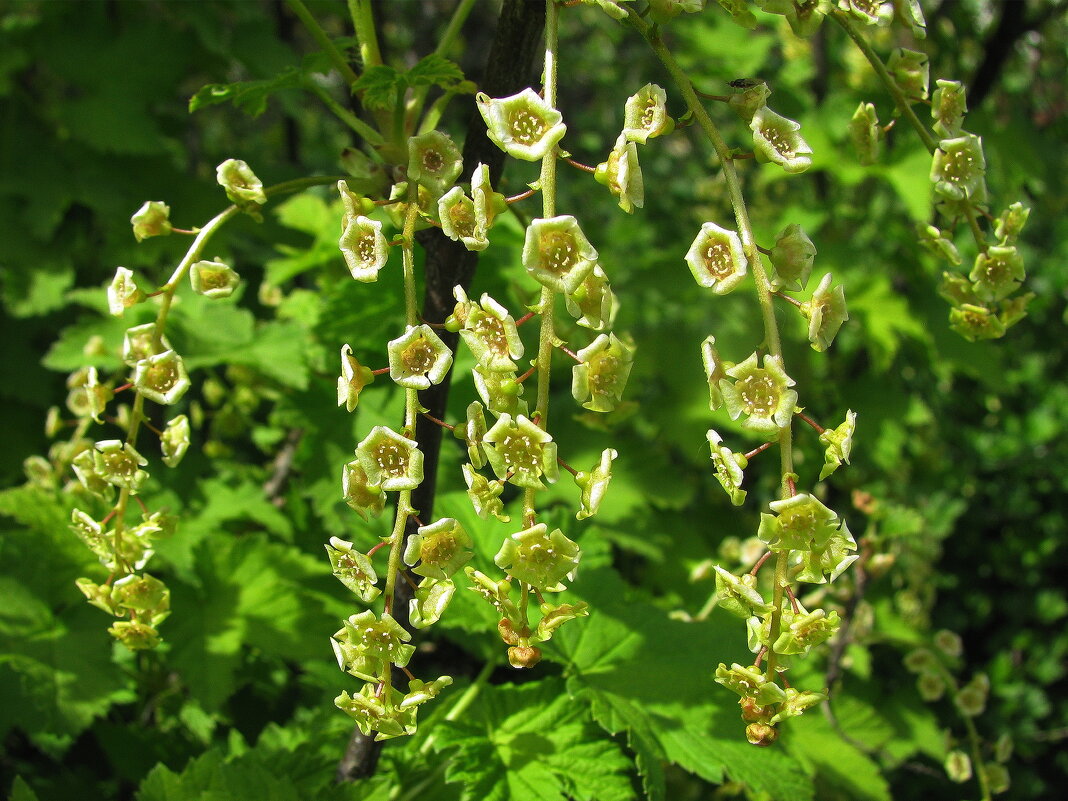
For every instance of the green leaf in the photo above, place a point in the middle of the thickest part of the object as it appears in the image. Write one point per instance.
(532, 743)
(20, 791)
(378, 86)
(842, 770)
(886, 318)
(435, 70)
(248, 96)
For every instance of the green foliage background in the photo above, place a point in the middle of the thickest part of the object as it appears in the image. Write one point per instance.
(960, 445)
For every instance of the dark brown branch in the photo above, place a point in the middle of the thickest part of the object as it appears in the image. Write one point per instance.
(509, 69)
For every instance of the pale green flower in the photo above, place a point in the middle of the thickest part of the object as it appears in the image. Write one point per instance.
(715, 371)
(799, 523)
(622, 174)
(645, 114)
(593, 304)
(418, 358)
(776, 140)
(870, 12)
(434, 161)
(1011, 223)
(523, 125)
(364, 247)
(139, 343)
(490, 332)
(958, 168)
(997, 272)
(372, 714)
(975, 322)
(152, 219)
(162, 378)
(865, 133)
(119, 464)
(716, 259)
(539, 558)
(553, 617)
(430, 601)
(792, 257)
(839, 442)
(175, 440)
(934, 240)
(826, 312)
(357, 492)
(762, 394)
(438, 550)
(739, 595)
(949, 104)
(600, 377)
(485, 495)
(353, 569)
(594, 484)
(213, 279)
(557, 254)
(911, 71)
(521, 452)
(241, 184)
(800, 632)
(123, 292)
(367, 645)
(728, 466)
(459, 221)
(354, 377)
(390, 461)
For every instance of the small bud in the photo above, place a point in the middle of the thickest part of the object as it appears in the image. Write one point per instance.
(911, 71)
(761, 734)
(792, 257)
(354, 377)
(213, 279)
(175, 440)
(933, 239)
(865, 134)
(870, 12)
(826, 312)
(471, 432)
(152, 219)
(241, 184)
(594, 484)
(520, 656)
(484, 494)
(728, 466)
(839, 442)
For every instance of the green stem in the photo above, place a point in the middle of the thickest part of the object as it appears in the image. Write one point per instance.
(363, 22)
(904, 105)
(301, 10)
(372, 136)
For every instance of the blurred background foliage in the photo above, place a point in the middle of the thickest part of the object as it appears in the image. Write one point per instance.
(956, 489)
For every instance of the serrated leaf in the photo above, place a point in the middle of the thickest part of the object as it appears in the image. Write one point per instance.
(532, 743)
(841, 770)
(248, 96)
(435, 70)
(378, 86)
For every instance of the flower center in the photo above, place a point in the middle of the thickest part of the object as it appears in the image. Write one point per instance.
(432, 161)
(491, 330)
(718, 261)
(162, 377)
(759, 394)
(463, 219)
(526, 128)
(418, 357)
(781, 144)
(558, 252)
(438, 550)
(391, 459)
(521, 454)
(604, 375)
(649, 115)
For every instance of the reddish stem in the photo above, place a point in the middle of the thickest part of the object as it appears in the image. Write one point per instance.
(524, 318)
(579, 165)
(760, 656)
(375, 548)
(819, 429)
(760, 563)
(788, 299)
(123, 388)
(566, 466)
(520, 196)
(188, 231)
(570, 353)
(441, 423)
(381, 371)
(526, 375)
(792, 486)
(793, 600)
(759, 449)
(140, 502)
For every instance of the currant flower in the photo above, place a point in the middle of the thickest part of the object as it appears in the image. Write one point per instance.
(934, 240)
(949, 104)
(162, 378)
(747, 97)
(145, 595)
(471, 432)
(622, 174)
(715, 371)
(490, 332)
(594, 484)
(593, 304)
(839, 442)
(523, 125)
(959, 167)
(485, 495)
(97, 395)
(458, 220)
(426, 202)
(739, 595)
(139, 343)
(521, 452)
(557, 254)
(997, 272)
(776, 140)
(372, 714)
(367, 645)
(364, 247)
(870, 12)
(645, 114)
(762, 394)
(865, 134)
(806, 16)
(241, 184)
(821, 565)
(434, 161)
(487, 203)
(553, 617)
(152, 219)
(123, 292)
(438, 550)
(957, 289)
(98, 595)
(213, 279)
(390, 461)
(1011, 223)
(800, 523)
(355, 205)
(791, 258)
(496, 593)
(1015, 309)
(911, 72)
(418, 358)
(912, 13)
(429, 602)
(975, 322)
(716, 259)
(538, 557)
(134, 635)
(354, 377)
(353, 569)
(598, 380)
(175, 440)
(728, 466)
(803, 631)
(119, 464)
(84, 468)
(826, 312)
(749, 682)
(795, 703)
(419, 692)
(357, 492)
(91, 533)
